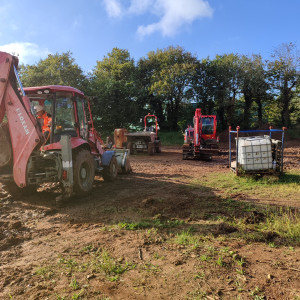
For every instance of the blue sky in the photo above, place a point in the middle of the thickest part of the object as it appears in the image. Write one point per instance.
(92, 28)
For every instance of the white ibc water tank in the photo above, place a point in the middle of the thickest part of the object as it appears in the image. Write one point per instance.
(255, 153)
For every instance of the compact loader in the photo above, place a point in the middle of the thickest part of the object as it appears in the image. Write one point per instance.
(146, 140)
(72, 153)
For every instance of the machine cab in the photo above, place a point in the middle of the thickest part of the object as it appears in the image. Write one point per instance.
(208, 127)
(65, 106)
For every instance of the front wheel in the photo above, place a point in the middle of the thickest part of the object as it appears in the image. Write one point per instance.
(110, 172)
(17, 192)
(158, 147)
(151, 148)
(84, 172)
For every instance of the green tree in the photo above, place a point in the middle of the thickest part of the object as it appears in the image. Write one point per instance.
(148, 102)
(203, 86)
(113, 83)
(226, 78)
(171, 80)
(284, 73)
(254, 87)
(56, 69)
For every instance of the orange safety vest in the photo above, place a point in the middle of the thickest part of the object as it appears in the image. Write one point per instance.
(46, 122)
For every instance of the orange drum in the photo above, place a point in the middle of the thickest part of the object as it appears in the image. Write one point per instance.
(120, 137)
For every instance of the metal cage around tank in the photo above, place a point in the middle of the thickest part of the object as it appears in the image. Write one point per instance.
(277, 148)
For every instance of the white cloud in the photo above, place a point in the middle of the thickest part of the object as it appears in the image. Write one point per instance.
(113, 8)
(176, 14)
(140, 6)
(28, 53)
(172, 14)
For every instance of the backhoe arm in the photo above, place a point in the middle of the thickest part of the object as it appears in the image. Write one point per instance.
(25, 135)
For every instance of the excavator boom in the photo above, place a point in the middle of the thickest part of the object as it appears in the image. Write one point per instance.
(23, 135)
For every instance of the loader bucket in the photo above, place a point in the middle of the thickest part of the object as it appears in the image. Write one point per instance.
(6, 150)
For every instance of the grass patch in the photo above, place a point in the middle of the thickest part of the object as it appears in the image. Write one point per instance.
(273, 225)
(144, 224)
(103, 261)
(186, 238)
(45, 272)
(285, 223)
(285, 187)
(270, 225)
(171, 138)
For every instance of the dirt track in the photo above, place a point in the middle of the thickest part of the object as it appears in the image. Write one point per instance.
(44, 247)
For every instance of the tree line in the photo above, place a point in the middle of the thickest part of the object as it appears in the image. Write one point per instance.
(243, 90)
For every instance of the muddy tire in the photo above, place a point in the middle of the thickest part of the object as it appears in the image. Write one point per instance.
(158, 147)
(17, 192)
(83, 172)
(110, 172)
(151, 148)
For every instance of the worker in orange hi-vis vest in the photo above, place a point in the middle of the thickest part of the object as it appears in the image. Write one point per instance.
(44, 120)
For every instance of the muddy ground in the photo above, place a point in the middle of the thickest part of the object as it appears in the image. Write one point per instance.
(119, 242)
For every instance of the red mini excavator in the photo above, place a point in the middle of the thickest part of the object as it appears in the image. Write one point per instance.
(72, 152)
(201, 141)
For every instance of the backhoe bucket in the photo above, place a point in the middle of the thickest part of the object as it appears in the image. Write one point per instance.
(5, 150)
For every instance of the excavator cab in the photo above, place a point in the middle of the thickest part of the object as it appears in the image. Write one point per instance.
(67, 108)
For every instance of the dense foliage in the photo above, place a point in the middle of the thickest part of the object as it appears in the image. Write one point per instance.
(241, 90)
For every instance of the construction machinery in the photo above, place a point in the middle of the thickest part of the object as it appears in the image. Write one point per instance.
(201, 141)
(146, 140)
(72, 153)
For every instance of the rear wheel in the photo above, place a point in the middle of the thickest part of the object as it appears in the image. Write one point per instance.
(83, 172)
(111, 171)
(151, 148)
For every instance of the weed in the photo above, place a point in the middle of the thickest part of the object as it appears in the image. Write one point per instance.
(220, 261)
(240, 261)
(257, 294)
(70, 264)
(157, 256)
(74, 284)
(104, 262)
(272, 245)
(87, 248)
(205, 258)
(240, 271)
(151, 267)
(211, 250)
(187, 239)
(60, 297)
(45, 272)
(199, 275)
(156, 223)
